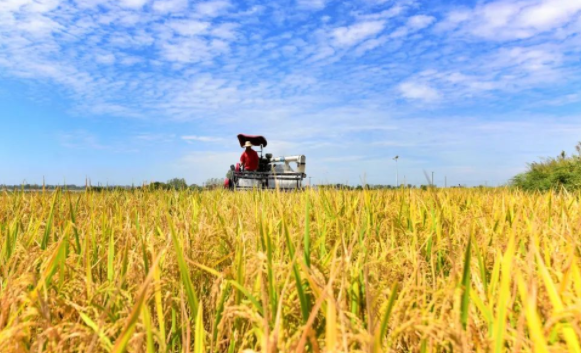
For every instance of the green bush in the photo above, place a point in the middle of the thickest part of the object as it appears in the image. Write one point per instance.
(552, 173)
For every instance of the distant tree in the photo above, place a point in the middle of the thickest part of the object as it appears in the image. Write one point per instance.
(157, 185)
(213, 183)
(177, 183)
(552, 173)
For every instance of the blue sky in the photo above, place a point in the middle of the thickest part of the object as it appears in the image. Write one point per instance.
(131, 91)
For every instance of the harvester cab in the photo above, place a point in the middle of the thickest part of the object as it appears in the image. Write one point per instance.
(272, 173)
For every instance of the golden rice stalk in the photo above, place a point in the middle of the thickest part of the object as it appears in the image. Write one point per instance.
(533, 320)
(569, 333)
(200, 333)
(131, 321)
(503, 297)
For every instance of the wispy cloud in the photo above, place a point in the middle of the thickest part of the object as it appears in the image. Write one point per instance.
(347, 36)
(312, 4)
(418, 90)
(168, 6)
(413, 24)
(207, 63)
(212, 8)
(506, 20)
(190, 138)
(155, 137)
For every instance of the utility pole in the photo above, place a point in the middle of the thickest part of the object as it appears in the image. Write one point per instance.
(445, 181)
(310, 185)
(432, 179)
(396, 172)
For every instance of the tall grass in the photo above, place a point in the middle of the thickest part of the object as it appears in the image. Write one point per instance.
(370, 271)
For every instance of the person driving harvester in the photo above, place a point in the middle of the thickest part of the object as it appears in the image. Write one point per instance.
(249, 158)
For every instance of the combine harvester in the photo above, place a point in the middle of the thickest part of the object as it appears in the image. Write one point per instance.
(272, 173)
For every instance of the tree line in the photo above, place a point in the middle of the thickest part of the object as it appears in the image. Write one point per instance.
(553, 173)
(172, 184)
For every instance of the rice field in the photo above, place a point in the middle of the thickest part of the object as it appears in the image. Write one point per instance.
(463, 270)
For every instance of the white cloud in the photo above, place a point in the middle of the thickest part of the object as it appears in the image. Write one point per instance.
(225, 31)
(370, 45)
(397, 9)
(189, 138)
(15, 5)
(413, 24)
(155, 137)
(419, 91)
(189, 27)
(105, 58)
(323, 53)
(504, 20)
(130, 60)
(548, 14)
(38, 6)
(134, 4)
(38, 25)
(503, 71)
(193, 50)
(531, 59)
(212, 8)
(348, 36)
(312, 4)
(565, 100)
(453, 19)
(111, 109)
(420, 21)
(170, 5)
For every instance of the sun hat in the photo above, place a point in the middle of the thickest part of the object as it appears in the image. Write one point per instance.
(248, 144)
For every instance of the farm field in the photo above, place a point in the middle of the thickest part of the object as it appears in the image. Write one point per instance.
(484, 270)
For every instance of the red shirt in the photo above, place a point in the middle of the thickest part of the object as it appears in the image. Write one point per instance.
(250, 159)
